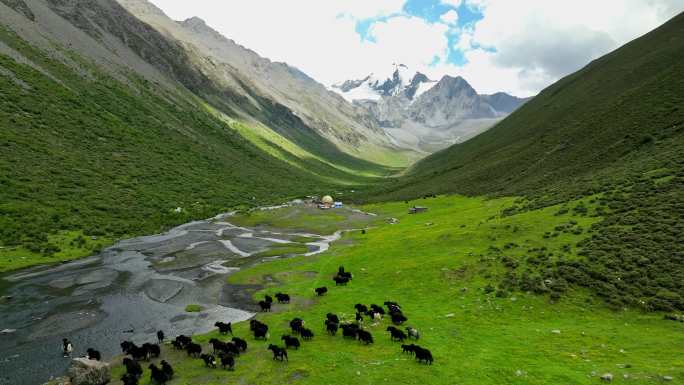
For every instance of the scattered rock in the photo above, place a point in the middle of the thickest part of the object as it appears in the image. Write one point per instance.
(8, 331)
(667, 378)
(608, 377)
(89, 372)
(556, 331)
(450, 315)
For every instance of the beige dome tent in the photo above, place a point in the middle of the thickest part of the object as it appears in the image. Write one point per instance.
(328, 200)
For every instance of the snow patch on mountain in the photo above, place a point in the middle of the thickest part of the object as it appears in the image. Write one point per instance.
(401, 82)
(423, 114)
(423, 87)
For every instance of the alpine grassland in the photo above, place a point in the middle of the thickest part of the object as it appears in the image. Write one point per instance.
(611, 132)
(444, 268)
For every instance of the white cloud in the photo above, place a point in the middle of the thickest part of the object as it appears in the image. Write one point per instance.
(449, 17)
(453, 3)
(320, 37)
(532, 43)
(407, 40)
(518, 46)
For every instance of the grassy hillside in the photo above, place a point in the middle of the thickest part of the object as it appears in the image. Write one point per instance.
(613, 131)
(442, 267)
(87, 158)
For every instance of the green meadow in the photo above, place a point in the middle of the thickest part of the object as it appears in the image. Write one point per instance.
(446, 268)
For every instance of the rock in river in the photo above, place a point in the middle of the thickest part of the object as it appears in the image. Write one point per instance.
(89, 372)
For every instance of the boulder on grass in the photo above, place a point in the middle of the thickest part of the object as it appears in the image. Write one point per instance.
(89, 372)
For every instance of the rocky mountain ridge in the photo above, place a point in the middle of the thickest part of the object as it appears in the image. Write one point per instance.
(427, 115)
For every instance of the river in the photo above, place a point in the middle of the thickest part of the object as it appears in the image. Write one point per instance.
(128, 292)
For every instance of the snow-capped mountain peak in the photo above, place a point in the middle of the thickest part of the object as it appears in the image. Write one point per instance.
(401, 82)
(424, 114)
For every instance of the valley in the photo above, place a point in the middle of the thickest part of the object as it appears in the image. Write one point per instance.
(157, 175)
(97, 300)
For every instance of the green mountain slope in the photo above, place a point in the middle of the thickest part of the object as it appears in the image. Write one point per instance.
(612, 133)
(106, 138)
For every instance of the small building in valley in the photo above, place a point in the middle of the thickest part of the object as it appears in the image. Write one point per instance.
(327, 202)
(417, 209)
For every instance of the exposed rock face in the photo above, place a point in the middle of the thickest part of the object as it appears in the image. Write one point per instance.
(449, 101)
(424, 114)
(89, 372)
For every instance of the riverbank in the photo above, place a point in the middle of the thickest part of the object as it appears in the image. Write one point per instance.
(136, 287)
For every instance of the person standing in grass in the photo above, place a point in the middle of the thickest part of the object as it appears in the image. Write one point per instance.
(67, 347)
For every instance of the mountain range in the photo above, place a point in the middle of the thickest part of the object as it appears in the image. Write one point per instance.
(423, 114)
(116, 106)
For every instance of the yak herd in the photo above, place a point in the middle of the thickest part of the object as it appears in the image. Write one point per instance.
(224, 353)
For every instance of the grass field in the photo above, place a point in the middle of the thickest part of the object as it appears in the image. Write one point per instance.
(307, 219)
(439, 266)
(67, 245)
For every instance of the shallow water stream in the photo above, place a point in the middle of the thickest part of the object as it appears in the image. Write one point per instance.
(128, 292)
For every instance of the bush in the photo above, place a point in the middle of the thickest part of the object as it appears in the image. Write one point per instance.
(192, 308)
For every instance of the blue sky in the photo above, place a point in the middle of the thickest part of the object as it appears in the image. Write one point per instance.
(431, 11)
(516, 46)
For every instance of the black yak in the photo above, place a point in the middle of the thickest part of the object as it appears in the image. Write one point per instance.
(132, 367)
(209, 360)
(306, 334)
(167, 369)
(265, 305)
(396, 334)
(364, 336)
(296, 325)
(224, 328)
(282, 298)
(423, 354)
(193, 349)
(240, 343)
(278, 352)
(157, 375)
(227, 361)
(290, 342)
(93, 354)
